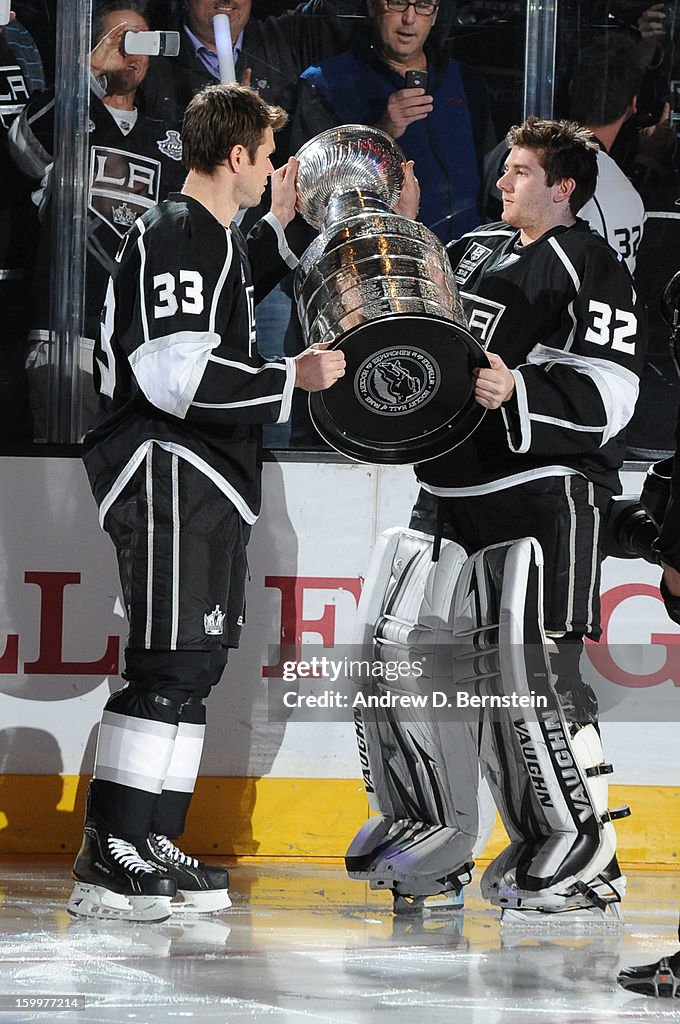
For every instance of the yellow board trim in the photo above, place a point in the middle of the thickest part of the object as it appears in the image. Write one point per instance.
(271, 817)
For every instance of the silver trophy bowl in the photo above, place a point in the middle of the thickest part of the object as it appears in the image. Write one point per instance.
(380, 287)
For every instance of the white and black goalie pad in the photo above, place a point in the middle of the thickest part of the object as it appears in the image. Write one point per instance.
(420, 768)
(549, 785)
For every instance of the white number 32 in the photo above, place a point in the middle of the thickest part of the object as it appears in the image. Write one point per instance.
(603, 333)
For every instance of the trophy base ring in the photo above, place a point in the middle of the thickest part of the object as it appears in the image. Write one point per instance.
(407, 395)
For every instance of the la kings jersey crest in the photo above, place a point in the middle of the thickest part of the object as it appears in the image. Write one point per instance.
(123, 186)
(14, 93)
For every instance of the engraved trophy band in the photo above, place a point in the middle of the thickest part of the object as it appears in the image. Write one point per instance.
(380, 287)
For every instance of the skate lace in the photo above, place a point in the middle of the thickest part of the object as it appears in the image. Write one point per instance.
(174, 853)
(128, 855)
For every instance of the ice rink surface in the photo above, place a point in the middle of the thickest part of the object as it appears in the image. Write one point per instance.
(303, 944)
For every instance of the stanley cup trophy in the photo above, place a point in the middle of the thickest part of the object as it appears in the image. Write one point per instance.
(380, 287)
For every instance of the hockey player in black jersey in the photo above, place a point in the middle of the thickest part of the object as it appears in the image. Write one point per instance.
(173, 458)
(565, 336)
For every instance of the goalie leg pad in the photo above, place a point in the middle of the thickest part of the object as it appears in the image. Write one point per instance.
(421, 772)
(549, 785)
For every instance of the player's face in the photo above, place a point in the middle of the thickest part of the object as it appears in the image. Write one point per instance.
(254, 176)
(528, 202)
(130, 69)
(402, 36)
(200, 14)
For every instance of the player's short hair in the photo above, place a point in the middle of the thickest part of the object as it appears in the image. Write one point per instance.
(221, 117)
(605, 80)
(564, 150)
(103, 7)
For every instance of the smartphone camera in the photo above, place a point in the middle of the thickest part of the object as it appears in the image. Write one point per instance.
(674, 100)
(152, 44)
(416, 79)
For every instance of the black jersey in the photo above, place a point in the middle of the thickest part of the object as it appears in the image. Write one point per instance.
(17, 213)
(176, 362)
(563, 315)
(130, 170)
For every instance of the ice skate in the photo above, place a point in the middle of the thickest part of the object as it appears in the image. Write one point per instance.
(659, 979)
(201, 888)
(596, 906)
(113, 881)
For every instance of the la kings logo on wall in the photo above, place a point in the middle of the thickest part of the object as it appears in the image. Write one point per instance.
(14, 93)
(122, 186)
(396, 381)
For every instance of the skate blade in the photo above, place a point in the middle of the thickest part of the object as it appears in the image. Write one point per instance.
(98, 902)
(444, 903)
(209, 901)
(582, 920)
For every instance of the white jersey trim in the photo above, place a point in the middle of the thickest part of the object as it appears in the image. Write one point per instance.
(157, 363)
(504, 232)
(618, 387)
(285, 252)
(491, 486)
(288, 389)
(133, 464)
(568, 265)
(524, 418)
(262, 400)
(217, 293)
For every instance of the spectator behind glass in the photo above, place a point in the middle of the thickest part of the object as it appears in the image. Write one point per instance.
(443, 125)
(603, 96)
(269, 55)
(40, 18)
(134, 163)
(21, 74)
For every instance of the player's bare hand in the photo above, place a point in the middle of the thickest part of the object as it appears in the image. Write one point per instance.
(318, 368)
(409, 197)
(246, 77)
(403, 108)
(495, 385)
(284, 191)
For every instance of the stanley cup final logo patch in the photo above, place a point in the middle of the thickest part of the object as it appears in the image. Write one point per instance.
(397, 381)
(214, 622)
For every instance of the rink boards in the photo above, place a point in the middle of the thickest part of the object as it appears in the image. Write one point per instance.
(271, 784)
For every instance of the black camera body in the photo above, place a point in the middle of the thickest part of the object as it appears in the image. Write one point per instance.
(632, 525)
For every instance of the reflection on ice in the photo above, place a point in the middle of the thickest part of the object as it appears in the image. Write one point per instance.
(303, 943)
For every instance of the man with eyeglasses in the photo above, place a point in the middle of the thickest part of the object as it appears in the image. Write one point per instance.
(441, 120)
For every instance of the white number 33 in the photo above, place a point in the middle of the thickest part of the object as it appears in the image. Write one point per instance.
(603, 333)
(191, 297)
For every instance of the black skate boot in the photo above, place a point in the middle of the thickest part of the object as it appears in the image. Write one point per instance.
(201, 888)
(113, 881)
(659, 979)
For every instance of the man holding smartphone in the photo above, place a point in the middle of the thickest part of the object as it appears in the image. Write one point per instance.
(404, 83)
